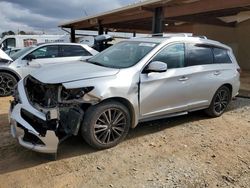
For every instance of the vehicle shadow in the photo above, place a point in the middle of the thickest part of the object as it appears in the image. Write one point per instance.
(14, 157)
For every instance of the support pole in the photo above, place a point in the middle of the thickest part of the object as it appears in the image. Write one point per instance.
(100, 29)
(158, 21)
(100, 45)
(72, 35)
(134, 34)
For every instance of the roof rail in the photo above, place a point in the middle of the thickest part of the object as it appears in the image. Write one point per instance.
(172, 35)
(156, 35)
(201, 36)
(177, 35)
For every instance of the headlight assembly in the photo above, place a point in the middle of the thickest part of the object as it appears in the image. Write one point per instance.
(74, 94)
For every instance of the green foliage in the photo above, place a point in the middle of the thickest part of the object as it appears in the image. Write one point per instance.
(7, 33)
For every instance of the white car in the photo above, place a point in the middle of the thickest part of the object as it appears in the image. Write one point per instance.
(29, 59)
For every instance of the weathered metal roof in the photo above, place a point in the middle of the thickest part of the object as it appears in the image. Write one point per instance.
(138, 17)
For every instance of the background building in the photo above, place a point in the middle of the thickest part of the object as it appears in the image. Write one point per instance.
(227, 21)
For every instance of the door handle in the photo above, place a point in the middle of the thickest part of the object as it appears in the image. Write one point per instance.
(216, 73)
(183, 78)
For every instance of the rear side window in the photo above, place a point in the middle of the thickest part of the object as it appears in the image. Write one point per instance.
(199, 55)
(50, 51)
(73, 50)
(221, 56)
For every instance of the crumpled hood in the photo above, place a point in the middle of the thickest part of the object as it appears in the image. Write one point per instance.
(71, 71)
(4, 56)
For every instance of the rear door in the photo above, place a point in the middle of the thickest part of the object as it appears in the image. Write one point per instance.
(206, 74)
(73, 52)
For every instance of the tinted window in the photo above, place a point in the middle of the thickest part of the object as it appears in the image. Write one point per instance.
(46, 52)
(20, 53)
(198, 55)
(9, 43)
(69, 51)
(221, 56)
(13, 52)
(173, 56)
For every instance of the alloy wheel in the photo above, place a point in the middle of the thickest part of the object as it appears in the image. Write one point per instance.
(7, 83)
(110, 126)
(221, 101)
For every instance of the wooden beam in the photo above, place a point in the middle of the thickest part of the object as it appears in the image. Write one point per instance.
(203, 6)
(130, 26)
(119, 18)
(146, 9)
(202, 20)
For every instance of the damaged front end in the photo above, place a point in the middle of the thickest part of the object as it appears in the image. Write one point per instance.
(43, 115)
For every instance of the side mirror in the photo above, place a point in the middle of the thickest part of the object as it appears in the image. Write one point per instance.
(29, 57)
(2, 46)
(156, 66)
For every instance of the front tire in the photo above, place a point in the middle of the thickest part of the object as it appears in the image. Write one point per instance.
(7, 83)
(106, 124)
(220, 102)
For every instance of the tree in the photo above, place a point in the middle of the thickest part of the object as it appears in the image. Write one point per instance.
(7, 33)
(3, 34)
(22, 33)
(11, 33)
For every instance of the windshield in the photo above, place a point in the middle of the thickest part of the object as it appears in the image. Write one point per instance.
(20, 53)
(123, 55)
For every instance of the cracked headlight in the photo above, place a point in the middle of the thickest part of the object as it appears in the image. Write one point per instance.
(74, 94)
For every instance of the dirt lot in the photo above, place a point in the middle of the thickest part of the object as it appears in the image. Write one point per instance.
(187, 151)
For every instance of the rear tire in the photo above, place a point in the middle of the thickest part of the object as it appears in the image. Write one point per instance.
(7, 83)
(220, 102)
(106, 124)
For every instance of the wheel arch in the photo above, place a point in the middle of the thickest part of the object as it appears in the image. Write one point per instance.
(211, 110)
(13, 73)
(229, 86)
(127, 104)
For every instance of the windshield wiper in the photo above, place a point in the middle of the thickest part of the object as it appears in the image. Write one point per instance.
(100, 64)
(95, 63)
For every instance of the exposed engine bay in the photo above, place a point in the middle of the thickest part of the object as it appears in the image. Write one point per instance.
(64, 108)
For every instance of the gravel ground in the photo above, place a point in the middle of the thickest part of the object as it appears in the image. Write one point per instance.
(187, 151)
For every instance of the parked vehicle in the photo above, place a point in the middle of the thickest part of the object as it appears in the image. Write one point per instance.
(9, 42)
(136, 80)
(29, 59)
(99, 42)
(10, 52)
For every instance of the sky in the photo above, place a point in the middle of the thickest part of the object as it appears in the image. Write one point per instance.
(46, 15)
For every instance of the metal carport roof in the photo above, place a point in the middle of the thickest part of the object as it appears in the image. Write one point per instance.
(152, 15)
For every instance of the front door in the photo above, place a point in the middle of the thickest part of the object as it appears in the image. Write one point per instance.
(165, 93)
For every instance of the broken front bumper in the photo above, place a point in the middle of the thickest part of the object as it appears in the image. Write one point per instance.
(28, 130)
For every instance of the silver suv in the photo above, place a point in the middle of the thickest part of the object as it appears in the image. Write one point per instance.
(136, 80)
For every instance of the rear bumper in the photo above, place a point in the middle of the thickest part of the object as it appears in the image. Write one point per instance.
(28, 133)
(236, 88)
